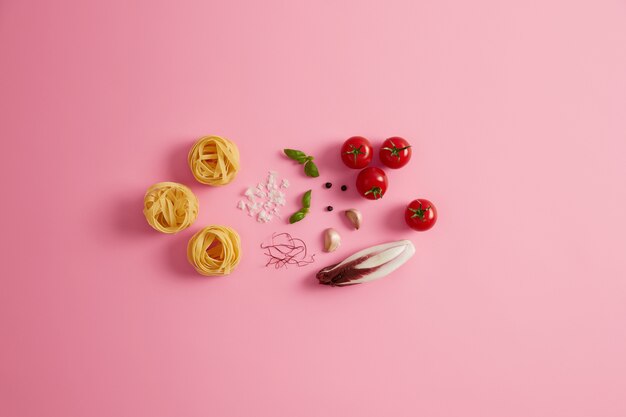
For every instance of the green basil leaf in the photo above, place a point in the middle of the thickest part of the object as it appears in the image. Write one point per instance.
(298, 156)
(306, 199)
(310, 169)
(297, 216)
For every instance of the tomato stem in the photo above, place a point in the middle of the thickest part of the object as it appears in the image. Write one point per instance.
(395, 151)
(376, 191)
(355, 151)
(420, 212)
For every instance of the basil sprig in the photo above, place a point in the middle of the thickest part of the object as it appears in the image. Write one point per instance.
(306, 205)
(310, 169)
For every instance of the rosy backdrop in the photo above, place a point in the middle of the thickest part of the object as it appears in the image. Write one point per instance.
(515, 304)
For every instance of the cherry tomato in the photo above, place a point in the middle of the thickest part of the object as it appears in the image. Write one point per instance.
(420, 214)
(371, 183)
(356, 152)
(395, 152)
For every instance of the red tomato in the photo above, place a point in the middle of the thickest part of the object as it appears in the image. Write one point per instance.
(371, 183)
(420, 214)
(395, 152)
(357, 152)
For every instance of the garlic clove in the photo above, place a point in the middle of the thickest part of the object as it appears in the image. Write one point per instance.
(355, 217)
(332, 240)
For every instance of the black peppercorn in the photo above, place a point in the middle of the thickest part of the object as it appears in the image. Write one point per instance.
(344, 187)
(329, 208)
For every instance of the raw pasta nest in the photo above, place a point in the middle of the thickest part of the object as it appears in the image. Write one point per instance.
(214, 160)
(170, 207)
(214, 250)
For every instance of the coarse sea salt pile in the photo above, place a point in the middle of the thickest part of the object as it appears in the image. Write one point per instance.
(264, 200)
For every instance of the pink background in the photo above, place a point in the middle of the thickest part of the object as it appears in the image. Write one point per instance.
(514, 305)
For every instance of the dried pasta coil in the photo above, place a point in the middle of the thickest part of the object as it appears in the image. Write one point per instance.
(214, 250)
(214, 160)
(170, 207)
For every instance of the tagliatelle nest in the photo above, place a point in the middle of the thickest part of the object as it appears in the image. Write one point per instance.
(170, 207)
(214, 250)
(214, 160)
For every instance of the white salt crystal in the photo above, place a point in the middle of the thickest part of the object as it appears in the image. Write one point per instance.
(264, 200)
(264, 217)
